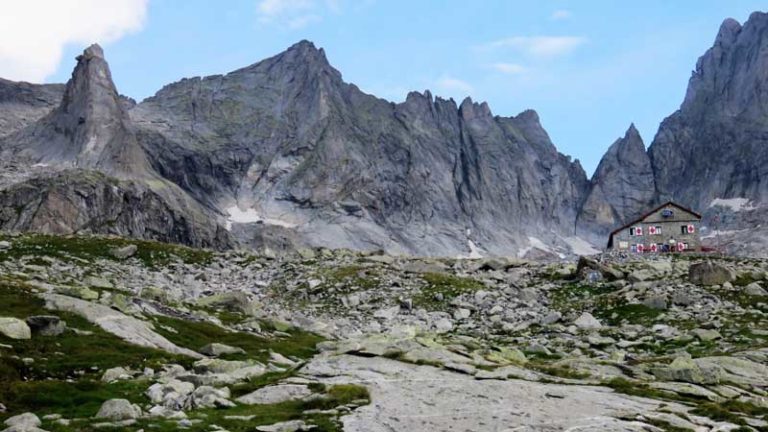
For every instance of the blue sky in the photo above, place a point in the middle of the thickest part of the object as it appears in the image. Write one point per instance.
(589, 68)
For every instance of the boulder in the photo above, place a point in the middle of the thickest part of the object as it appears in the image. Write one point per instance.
(287, 426)
(276, 394)
(587, 322)
(754, 289)
(116, 374)
(709, 273)
(608, 273)
(235, 301)
(217, 349)
(684, 369)
(27, 422)
(124, 252)
(79, 292)
(4, 245)
(15, 328)
(210, 397)
(46, 325)
(98, 282)
(705, 335)
(656, 302)
(443, 325)
(118, 409)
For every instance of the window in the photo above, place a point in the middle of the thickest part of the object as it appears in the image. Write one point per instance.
(684, 229)
(654, 230)
(634, 248)
(636, 231)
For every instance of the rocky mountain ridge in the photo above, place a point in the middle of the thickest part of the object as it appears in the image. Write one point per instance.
(710, 155)
(284, 154)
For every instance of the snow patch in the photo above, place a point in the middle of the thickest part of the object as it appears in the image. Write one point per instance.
(250, 215)
(474, 251)
(534, 243)
(579, 246)
(735, 204)
(40, 165)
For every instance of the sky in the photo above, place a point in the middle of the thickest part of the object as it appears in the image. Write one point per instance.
(590, 68)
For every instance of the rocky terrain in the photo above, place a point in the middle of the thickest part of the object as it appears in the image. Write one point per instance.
(109, 333)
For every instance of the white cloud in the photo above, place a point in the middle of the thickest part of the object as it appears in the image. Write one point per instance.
(294, 14)
(508, 68)
(560, 14)
(454, 86)
(33, 33)
(541, 46)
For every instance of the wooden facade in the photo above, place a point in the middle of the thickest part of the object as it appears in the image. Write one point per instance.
(665, 229)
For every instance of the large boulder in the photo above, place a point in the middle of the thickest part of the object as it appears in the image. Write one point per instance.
(587, 265)
(685, 369)
(710, 273)
(26, 422)
(217, 349)
(14, 328)
(46, 325)
(118, 409)
(124, 252)
(276, 394)
(587, 322)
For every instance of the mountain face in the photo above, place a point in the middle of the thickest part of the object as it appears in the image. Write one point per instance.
(89, 129)
(622, 187)
(289, 142)
(284, 154)
(720, 132)
(79, 167)
(22, 104)
(710, 155)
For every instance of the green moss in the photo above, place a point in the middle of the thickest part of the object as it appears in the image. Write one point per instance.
(445, 285)
(617, 311)
(563, 371)
(577, 296)
(150, 253)
(81, 398)
(196, 334)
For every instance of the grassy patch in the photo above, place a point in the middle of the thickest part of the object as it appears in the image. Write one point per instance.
(617, 311)
(445, 285)
(577, 296)
(563, 371)
(196, 334)
(81, 398)
(69, 354)
(150, 253)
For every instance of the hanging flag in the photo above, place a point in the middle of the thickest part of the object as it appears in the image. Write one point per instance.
(654, 248)
(652, 230)
(639, 231)
(680, 246)
(691, 229)
(640, 248)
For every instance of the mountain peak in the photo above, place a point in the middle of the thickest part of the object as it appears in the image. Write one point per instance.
(90, 128)
(92, 51)
(728, 32)
(632, 133)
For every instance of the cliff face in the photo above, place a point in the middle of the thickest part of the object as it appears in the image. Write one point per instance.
(710, 155)
(716, 145)
(622, 187)
(79, 167)
(285, 153)
(22, 104)
(289, 140)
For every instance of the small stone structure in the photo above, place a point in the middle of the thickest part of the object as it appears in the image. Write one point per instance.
(665, 229)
